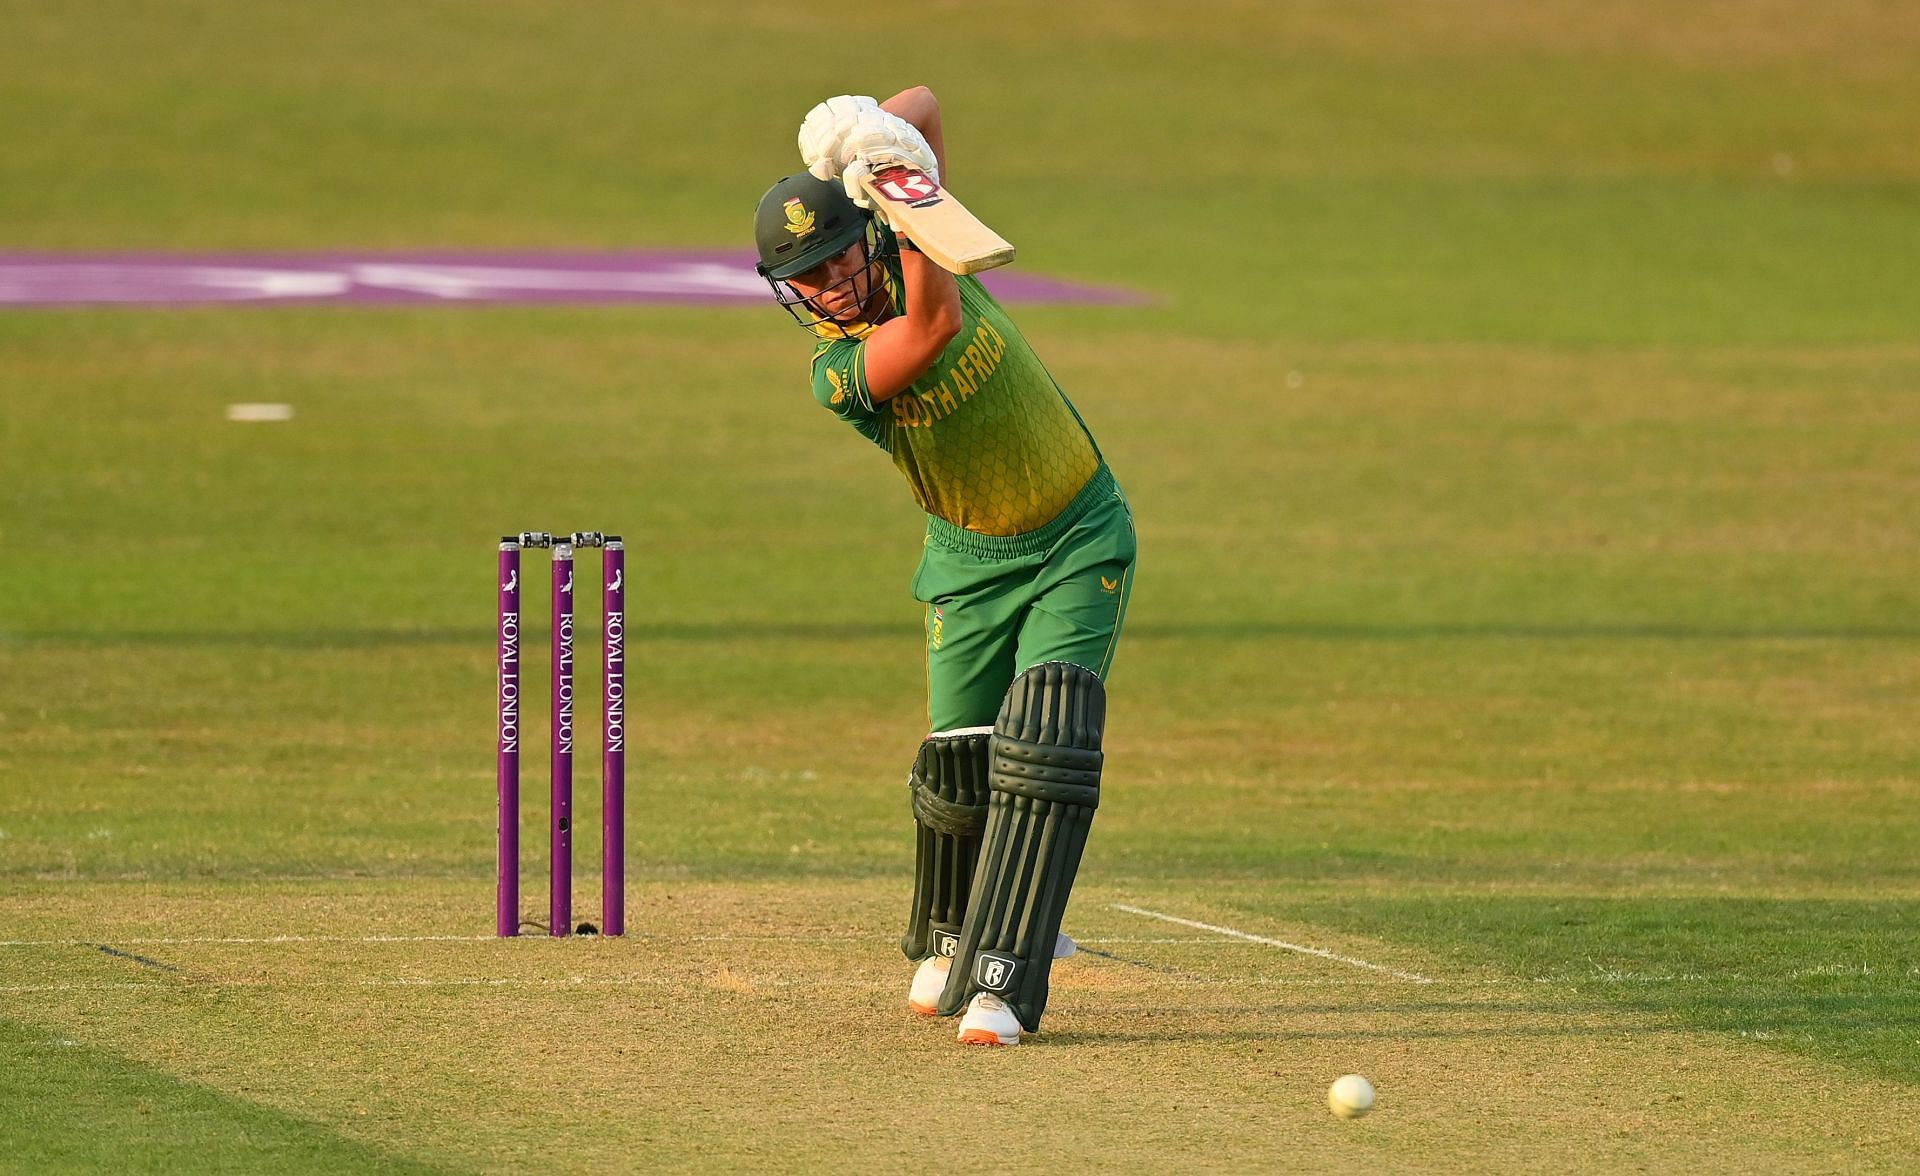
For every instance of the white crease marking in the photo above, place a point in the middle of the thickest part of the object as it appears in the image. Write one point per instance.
(1319, 952)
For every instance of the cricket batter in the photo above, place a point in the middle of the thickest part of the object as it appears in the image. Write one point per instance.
(1027, 567)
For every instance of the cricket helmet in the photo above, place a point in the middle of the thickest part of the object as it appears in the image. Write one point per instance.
(803, 221)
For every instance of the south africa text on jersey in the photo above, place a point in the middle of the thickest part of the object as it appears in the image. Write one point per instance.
(956, 385)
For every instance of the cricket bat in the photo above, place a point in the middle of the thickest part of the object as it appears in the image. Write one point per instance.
(953, 238)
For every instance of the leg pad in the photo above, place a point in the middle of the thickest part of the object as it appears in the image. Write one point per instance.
(1045, 786)
(949, 789)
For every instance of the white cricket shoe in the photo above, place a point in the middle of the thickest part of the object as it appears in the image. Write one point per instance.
(930, 978)
(989, 1022)
(929, 981)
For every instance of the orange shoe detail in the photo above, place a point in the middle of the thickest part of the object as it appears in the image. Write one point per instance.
(980, 1037)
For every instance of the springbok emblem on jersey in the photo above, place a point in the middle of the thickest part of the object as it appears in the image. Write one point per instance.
(839, 383)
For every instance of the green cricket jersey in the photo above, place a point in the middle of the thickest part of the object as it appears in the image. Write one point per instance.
(986, 439)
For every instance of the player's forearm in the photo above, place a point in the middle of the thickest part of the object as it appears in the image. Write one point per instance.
(919, 107)
(933, 299)
(904, 347)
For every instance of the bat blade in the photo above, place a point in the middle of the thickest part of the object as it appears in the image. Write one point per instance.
(953, 238)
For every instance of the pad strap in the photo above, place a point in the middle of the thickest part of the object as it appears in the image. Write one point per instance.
(945, 816)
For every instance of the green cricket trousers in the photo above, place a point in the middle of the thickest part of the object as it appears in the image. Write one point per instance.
(1000, 604)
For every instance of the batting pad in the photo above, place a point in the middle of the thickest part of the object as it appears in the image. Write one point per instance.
(1045, 785)
(949, 785)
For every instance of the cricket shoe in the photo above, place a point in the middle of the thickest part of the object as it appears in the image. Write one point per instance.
(989, 1022)
(929, 981)
(930, 978)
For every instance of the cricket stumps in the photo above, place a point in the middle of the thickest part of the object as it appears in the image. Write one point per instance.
(509, 692)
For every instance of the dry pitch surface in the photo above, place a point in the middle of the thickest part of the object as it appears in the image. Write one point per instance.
(756, 1024)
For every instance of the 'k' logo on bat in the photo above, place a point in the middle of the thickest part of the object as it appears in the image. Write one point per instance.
(908, 186)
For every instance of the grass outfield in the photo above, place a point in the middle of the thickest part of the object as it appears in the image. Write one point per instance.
(1524, 455)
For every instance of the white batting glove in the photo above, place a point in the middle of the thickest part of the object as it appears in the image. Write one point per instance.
(878, 141)
(826, 127)
(851, 176)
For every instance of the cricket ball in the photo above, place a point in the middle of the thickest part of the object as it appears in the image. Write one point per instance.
(1350, 1096)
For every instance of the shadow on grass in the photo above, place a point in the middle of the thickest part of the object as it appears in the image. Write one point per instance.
(1834, 979)
(70, 1106)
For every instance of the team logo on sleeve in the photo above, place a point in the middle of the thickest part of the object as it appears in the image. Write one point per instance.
(839, 383)
(799, 220)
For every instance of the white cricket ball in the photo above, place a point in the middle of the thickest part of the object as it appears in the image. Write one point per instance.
(1350, 1097)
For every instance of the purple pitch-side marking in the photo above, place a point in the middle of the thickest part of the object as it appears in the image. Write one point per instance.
(613, 745)
(506, 912)
(434, 277)
(561, 897)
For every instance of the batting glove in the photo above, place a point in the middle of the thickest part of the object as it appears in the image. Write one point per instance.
(879, 141)
(826, 127)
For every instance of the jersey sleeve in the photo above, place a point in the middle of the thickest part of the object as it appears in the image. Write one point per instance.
(840, 385)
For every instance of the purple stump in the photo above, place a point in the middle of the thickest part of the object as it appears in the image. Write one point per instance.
(613, 745)
(561, 899)
(506, 913)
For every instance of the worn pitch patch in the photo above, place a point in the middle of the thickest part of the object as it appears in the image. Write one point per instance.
(259, 413)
